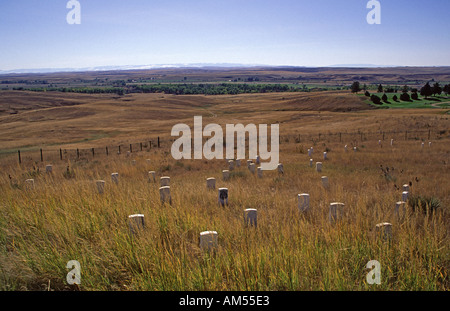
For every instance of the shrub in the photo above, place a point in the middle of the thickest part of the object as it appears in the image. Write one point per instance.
(424, 203)
(375, 99)
(405, 97)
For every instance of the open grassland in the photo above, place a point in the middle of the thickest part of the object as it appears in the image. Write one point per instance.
(64, 218)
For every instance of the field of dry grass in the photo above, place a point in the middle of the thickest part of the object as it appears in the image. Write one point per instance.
(64, 218)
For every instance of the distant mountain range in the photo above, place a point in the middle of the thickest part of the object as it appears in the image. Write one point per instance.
(128, 67)
(190, 65)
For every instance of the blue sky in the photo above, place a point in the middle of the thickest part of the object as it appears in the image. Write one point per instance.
(35, 34)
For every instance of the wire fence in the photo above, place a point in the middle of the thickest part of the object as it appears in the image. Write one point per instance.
(64, 154)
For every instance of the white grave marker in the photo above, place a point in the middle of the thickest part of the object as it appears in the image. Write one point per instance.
(252, 168)
(164, 181)
(164, 194)
(208, 240)
(405, 195)
(325, 155)
(136, 223)
(319, 167)
(260, 172)
(115, 178)
(280, 168)
(211, 183)
(223, 196)
(384, 230)
(336, 211)
(151, 176)
(30, 183)
(225, 174)
(303, 202)
(325, 182)
(251, 217)
(311, 162)
(230, 165)
(100, 186)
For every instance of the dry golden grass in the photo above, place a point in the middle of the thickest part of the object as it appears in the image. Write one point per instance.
(65, 219)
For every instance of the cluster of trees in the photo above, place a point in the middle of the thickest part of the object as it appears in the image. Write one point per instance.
(214, 89)
(426, 91)
(178, 89)
(85, 90)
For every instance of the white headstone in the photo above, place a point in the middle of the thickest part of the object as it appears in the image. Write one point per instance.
(251, 217)
(406, 187)
(115, 178)
(252, 168)
(133, 162)
(164, 181)
(303, 202)
(309, 152)
(423, 144)
(230, 165)
(355, 149)
(248, 163)
(405, 195)
(30, 183)
(319, 167)
(211, 183)
(429, 144)
(151, 176)
(400, 207)
(223, 196)
(100, 186)
(346, 148)
(258, 160)
(128, 153)
(260, 172)
(164, 194)
(280, 168)
(225, 174)
(324, 155)
(136, 223)
(238, 163)
(325, 182)
(336, 210)
(208, 240)
(384, 230)
(392, 142)
(311, 162)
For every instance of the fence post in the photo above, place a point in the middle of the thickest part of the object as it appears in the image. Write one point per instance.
(107, 152)
(119, 149)
(131, 148)
(78, 153)
(42, 156)
(20, 160)
(141, 146)
(93, 152)
(150, 144)
(158, 143)
(60, 154)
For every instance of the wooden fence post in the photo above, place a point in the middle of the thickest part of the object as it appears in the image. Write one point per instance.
(42, 156)
(20, 160)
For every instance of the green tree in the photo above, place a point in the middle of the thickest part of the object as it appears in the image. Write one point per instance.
(437, 90)
(355, 87)
(426, 90)
(380, 88)
(384, 98)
